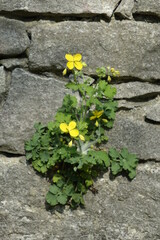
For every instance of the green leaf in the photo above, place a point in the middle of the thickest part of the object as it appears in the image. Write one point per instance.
(62, 199)
(110, 92)
(102, 85)
(62, 117)
(116, 168)
(54, 189)
(51, 199)
(89, 183)
(132, 174)
(60, 183)
(113, 153)
(44, 156)
(28, 156)
(72, 86)
(76, 197)
(68, 190)
(57, 177)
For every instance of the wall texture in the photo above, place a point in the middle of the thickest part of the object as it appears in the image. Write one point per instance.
(34, 37)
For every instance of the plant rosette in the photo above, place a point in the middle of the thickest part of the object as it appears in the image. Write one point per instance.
(68, 149)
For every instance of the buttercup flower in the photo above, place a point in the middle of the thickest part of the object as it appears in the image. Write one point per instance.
(74, 61)
(70, 128)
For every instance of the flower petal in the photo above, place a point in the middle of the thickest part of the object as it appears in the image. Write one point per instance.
(81, 137)
(74, 133)
(95, 112)
(64, 127)
(70, 65)
(99, 114)
(72, 125)
(78, 65)
(77, 57)
(92, 117)
(69, 57)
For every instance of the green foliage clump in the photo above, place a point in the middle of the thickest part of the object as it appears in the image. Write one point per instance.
(68, 150)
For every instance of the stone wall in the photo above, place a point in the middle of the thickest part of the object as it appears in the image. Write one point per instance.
(34, 37)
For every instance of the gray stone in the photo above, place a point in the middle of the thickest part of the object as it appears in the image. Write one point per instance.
(3, 84)
(153, 113)
(136, 90)
(13, 37)
(130, 47)
(132, 132)
(48, 7)
(12, 63)
(125, 8)
(31, 99)
(121, 209)
(149, 7)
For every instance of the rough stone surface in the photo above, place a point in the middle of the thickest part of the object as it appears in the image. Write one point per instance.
(131, 47)
(132, 132)
(12, 63)
(153, 113)
(2, 81)
(31, 99)
(149, 7)
(61, 6)
(121, 209)
(136, 90)
(125, 8)
(13, 37)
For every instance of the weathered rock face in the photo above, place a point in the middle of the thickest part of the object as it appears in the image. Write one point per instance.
(61, 7)
(2, 81)
(124, 10)
(153, 112)
(121, 209)
(149, 7)
(37, 43)
(136, 90)
(132, 132)
(31, 99)
(135, 44)
(13, 37)
(12, 63)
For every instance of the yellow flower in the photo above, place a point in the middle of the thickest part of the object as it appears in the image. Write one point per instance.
(74, 61)
(96, 114)
(70, 128)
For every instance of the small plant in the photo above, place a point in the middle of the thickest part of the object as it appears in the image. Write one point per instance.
(68, 150)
